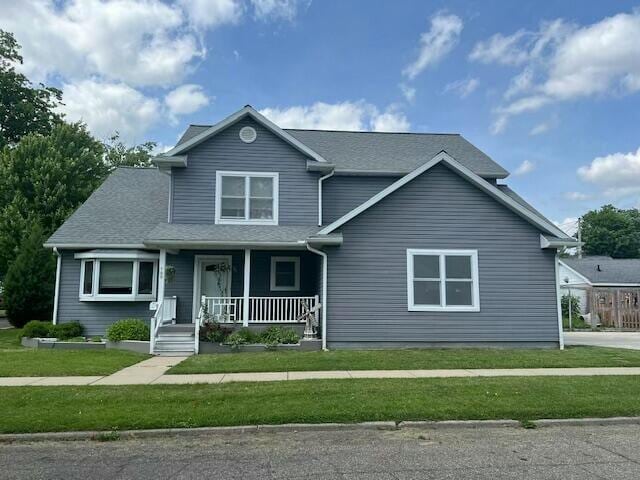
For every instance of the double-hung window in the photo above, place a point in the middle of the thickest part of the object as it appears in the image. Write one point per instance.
(442, 280)
(118, 276)
(247, 197)
(285, 273)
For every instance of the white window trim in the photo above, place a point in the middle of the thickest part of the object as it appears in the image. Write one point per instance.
(132, 297)
(296, 269)
(475, 287)
(246, 221)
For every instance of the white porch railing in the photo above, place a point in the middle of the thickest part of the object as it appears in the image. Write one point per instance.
(165, 314)
(261, 309)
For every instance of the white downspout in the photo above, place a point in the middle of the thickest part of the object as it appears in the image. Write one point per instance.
(324, 293)
(559, 305)
(320, 180)
(56, 295)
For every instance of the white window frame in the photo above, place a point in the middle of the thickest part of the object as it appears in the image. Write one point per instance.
(296, 276)
(135, 257)
(443, 307)
(246, 220)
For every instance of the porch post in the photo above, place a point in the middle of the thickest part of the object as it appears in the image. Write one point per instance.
(245, 291)
(161, 274)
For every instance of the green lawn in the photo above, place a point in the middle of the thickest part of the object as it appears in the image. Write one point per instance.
(17, 361)
(408, 359)
(38, 409)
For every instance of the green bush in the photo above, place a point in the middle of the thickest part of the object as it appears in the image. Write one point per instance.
(37, 329)
(30, 280)
(575, 306)
(128, 329)
(214, 332)
(277, 335)
(65, 331)
(243, 336)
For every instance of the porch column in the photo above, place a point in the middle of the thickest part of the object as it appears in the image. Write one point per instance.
(161, 274)
(245, 291)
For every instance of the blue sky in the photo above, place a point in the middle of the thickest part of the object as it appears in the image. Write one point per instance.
(551, 90)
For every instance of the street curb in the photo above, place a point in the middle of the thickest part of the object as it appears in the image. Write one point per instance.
(565, 422)
(109, 435)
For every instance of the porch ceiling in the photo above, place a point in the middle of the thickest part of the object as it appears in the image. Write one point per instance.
(195, 235)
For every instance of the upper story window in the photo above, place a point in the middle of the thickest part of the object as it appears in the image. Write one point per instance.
(247, 197)
(442, 280)
(118, 276)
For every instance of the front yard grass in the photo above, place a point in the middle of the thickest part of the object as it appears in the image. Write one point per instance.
(410, 359)
(315, 401)
(17, 361)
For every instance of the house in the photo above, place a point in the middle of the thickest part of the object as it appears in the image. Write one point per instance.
(363, 239)
(608, 289)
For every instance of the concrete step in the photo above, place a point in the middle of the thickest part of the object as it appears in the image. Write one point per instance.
(175, 338)
(174, 353)
(177, 328)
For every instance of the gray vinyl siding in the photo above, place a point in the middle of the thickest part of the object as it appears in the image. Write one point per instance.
(94, 316)
(343, 193)
(367, 296)
(193, 187)
(182, 285)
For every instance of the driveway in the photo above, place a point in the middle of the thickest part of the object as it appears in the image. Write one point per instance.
(604, 339)
(485, 453)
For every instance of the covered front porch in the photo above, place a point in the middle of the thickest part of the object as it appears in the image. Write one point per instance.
(251, 288)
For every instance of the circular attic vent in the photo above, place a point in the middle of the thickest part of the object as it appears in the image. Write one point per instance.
(248, 134)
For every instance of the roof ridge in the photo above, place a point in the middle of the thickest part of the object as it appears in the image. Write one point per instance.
(369, 131)
(130, 167)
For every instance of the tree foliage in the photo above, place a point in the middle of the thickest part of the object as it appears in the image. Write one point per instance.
(117, 154)
(612, 231)
(575, 306)
(24, 108)
(43, 179)
(29, 284)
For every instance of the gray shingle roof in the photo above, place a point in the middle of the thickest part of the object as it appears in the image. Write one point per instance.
(122, 211)
(199, 233)
(385, 152)
(612, 270)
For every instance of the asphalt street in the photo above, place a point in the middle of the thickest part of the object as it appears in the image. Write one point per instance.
(593, 452)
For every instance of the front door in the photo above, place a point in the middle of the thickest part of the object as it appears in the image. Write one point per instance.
(213, 279)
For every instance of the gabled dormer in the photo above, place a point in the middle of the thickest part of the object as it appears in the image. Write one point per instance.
(244, 170)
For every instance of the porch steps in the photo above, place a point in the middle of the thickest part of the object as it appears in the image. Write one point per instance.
(175, 340)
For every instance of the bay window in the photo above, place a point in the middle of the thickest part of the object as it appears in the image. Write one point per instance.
(243, 197)
(442, 280)
(118, 276)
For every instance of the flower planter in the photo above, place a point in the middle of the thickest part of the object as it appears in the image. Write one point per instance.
(138, 346)
(303, 345)
(39, 343)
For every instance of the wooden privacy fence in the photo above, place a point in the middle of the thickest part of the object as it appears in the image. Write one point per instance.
(617, 307)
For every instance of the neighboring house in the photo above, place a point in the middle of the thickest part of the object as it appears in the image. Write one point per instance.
(608, 289)
(366, 239)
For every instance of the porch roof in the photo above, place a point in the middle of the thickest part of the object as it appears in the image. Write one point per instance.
(199, 235)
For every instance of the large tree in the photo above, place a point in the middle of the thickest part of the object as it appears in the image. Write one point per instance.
(44, 179)
(117, 154)
(24, 108)
(612, 231)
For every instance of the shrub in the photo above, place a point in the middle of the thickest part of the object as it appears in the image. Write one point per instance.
(243, 336)
(575, 306)
(37, 329)
(214, 332)
(275, 335)
(65, 331)
(128, 329)
(30, 281)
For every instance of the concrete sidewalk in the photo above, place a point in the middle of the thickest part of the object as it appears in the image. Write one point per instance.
(153, 372)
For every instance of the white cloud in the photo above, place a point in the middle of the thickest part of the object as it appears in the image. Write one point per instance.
(140, 42)
(569, 225)
(212, 13)
(617, 174)
(506, 50)
(408, 92)
(358, 116)
(576, 196)
(525, 167)
(544, 127)
(185, 99)
(567, 62)
(277, 9)
(435, 43)
(462, 88)
(107, 107)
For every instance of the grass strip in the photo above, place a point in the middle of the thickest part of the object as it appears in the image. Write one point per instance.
(280, 361)
(41, 409)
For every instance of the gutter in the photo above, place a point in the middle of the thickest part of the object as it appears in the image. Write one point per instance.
(324, 293)
(320, 180)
